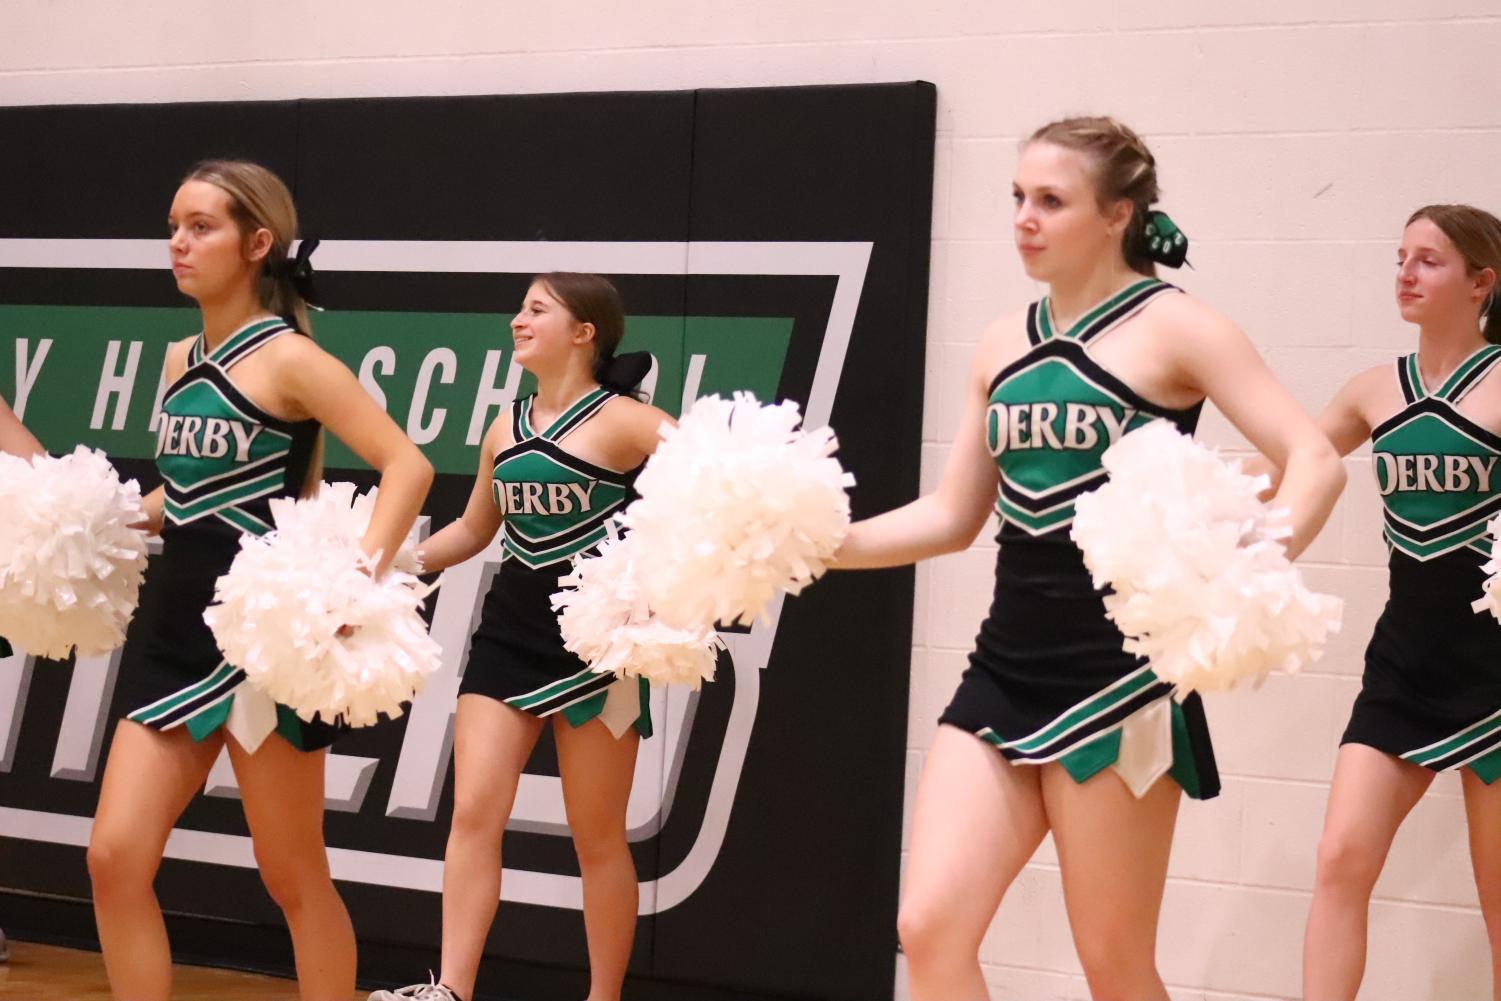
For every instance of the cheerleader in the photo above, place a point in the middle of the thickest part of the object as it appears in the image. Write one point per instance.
(240, 425)
(1430, 697)
(552, 473)
(1054, 727)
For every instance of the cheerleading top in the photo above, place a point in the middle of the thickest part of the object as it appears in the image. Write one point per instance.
(1048, 679)
(554, 506)
(223, 460)
(1431, 691)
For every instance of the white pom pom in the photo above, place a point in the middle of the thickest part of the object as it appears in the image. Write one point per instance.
(1490, 596)
(281, 607)
(736, 504)
(70, 562)
(1202, 586)
(605, 620)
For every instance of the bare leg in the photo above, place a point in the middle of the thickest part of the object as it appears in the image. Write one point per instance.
(1113, 851)
(977, 821)
(492, 742)
(149, 780)
(1483, 809)
(597, 770)
(1371, 794)
(282, 792)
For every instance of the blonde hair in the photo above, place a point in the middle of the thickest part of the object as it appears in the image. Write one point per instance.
(259, 200)
(1122, 167)
(1476, 234)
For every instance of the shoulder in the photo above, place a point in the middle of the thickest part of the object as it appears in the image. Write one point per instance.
(629, 412)
(639, 423)
(294, 346)
(176, 362)
(1376, 379)
(1190, 319)
(1003, 341)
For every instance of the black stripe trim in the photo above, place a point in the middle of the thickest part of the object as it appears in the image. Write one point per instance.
(557, 702)
(538, 548)
(555, 451)
(1445, 411)
(189, 708)
(221, 380)
(239, 477)
(1481, 512)
(1073, 352)
(1122, 311)
(1036, 505)
(1475, 749)
(517, 435)
(1034, 331)
(1476, 374)
(556, 434)
(1095, 726)
(250, 344)
(1409, 394)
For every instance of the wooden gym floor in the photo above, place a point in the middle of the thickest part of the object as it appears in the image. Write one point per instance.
(47, 973)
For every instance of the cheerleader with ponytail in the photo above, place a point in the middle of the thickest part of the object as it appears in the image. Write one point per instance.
(1430, 695)
(553, 471)
(241, 425)
(1055, 728)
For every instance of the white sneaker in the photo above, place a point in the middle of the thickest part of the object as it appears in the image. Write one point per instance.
(431, 991)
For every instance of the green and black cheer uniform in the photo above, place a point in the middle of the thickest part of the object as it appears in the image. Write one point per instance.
(1431, 693)
(1049, 680)
(223, 460)
(554, 506)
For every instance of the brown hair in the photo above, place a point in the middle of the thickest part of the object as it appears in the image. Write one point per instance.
(259, 200)
(1476, 234)
(1123, 168)
(591, 299)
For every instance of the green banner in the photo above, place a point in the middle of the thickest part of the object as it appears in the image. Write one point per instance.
(92, 374)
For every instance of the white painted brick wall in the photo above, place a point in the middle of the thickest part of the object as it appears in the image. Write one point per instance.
(1294, 136)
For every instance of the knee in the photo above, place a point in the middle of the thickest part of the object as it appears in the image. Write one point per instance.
(477, 816)
(290, 882)
(599, 841)
(1346, 865)
(929, 934)
(1118, 967)
(118, 866)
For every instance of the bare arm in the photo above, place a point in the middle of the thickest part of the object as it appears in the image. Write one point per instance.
(14, 438)
(1221, 362)
(327, 391)
(948, 519)
(468, 534)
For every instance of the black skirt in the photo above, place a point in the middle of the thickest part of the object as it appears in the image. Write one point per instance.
(171, 670)
(1431, 692)
(517, 655)
(1049, 680)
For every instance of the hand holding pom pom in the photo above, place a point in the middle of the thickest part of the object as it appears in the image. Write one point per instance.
(71, 561)
(736, 503)
(301, 615)
(1201, 586)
